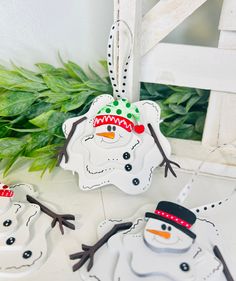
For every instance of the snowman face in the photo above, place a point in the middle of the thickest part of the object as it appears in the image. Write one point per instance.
(160, 235)
(111, 135)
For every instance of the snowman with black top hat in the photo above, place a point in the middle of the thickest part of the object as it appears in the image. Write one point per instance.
(166, 249)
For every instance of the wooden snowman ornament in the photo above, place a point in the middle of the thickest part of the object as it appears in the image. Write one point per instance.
(167, 244)
(23, 231)
(116, 142)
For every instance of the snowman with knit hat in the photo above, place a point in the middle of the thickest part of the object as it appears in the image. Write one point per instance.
(116, 142)
(165, 247)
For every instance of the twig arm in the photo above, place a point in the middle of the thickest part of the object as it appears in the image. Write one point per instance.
(61, 219)
(165, 161)
(89, 251)
(63, 151)
(226, 271)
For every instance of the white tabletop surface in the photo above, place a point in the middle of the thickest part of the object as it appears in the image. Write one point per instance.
(61, 188)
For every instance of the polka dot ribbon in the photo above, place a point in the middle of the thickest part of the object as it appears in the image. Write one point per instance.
(119, 86)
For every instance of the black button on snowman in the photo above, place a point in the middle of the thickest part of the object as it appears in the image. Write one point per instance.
(111, 144)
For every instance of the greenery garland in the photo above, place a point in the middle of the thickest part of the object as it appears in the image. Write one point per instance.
(33, 106)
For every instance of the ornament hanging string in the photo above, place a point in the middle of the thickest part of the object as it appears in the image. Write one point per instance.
(185, 192)
(118, 78)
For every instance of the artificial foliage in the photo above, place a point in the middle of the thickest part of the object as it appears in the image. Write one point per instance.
(34, 104)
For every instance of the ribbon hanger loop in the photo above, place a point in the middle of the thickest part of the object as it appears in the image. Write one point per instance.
(118, 77)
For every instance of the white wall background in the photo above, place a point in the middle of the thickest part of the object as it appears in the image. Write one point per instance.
(35, 30)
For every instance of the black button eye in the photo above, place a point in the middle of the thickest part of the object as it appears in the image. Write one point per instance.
(114, 128)
(163, 226)
(27, 254)
(169, 228)
(10, 241)
(108, 128)
(7, 223)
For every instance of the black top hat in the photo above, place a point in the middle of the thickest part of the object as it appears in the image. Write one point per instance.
(176, 215)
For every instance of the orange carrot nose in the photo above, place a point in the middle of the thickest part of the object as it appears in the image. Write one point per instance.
(163, 234)
(109, 135)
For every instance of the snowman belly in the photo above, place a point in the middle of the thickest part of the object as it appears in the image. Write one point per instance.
(129, 168)
(146, 262)
(22, 259)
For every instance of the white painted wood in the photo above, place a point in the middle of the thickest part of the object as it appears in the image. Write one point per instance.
(164, 17)
(194, 150)
(228, 16)
(221, 110)
(191, 66)
(131, 12)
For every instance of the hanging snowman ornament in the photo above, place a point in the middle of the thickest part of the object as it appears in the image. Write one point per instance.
(165, 245)
(116, 142)
(23, 231)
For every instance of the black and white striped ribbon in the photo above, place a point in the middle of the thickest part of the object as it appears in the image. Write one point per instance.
(118, 80)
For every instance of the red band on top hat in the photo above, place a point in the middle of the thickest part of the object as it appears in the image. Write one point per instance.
(173, 218)
(6, 193)
(113, 120)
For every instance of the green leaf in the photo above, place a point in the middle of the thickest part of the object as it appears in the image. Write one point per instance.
(37, 108)
(193, 100)
(45, 67)
(41, 121)
(9, 78)
(153, 90)
(178, 97)
(36, 141)
(33, 130)
(55, 97)
(29, 75)
(4, 130)
(9, 147)
(178, 109)
(98, 86)
(170, 127)
(199, 125)
(41, 164)
(55, 121)
(48, 150)
(76, 71)
(184, 131)
(14, 103)
(76, 101)
(104, 65)
(10, 162)
(166, 112)
(56, 83)
(96, 77)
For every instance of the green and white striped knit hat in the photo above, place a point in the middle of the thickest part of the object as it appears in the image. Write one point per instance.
(121, 113)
